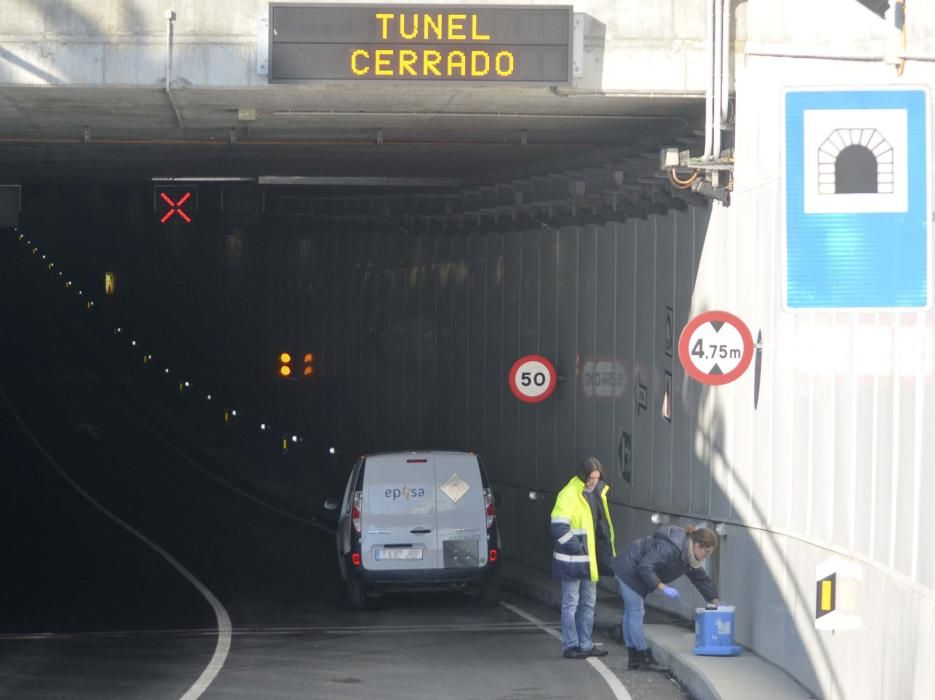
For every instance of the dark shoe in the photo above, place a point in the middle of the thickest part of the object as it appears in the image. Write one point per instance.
(595, 651)
(575, 653)
(649, 663)
(633, 660)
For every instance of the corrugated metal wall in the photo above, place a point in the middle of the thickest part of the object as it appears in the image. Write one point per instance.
(427, 326)
(835, 464)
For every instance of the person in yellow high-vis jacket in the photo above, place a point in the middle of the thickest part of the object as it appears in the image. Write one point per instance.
(583, 547)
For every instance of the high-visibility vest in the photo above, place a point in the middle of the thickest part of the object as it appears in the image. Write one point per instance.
(574, 543)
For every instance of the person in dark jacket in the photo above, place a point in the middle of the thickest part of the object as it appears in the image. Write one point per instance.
(648, 565)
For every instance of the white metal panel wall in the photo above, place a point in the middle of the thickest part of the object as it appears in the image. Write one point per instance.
(837, 460)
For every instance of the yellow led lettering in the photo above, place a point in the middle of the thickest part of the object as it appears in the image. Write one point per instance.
(430, 60)
(385, 24)
(504, 64)
(455, 25)
(399, 56)
(432, 23)
(381, 63)
(474, 35)
(358, 70)
(456, 61)
(406, 58)
(480, 63)
(415, 27)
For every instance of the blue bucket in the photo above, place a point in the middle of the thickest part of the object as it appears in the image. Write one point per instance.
(714, 631)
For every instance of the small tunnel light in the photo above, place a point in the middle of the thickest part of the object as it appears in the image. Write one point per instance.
(187, 385)
(721, 529)
(659, 518)
(59, 273)
(234, 412)
(80, 293)
(43, 256)
(133, 343)
(262, 426)
(533, 496)
(285, 364)
(118, 329)
(167, 370)
(208, 397)
(331, 450)
(295, 438)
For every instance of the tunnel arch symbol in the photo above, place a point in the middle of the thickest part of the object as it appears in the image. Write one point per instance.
(855, 161)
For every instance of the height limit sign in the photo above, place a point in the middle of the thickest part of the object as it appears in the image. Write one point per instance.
(715, 348)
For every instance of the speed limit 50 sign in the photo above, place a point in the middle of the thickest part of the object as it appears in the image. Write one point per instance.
(532, 378)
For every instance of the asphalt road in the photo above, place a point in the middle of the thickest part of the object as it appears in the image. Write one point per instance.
(127, 571)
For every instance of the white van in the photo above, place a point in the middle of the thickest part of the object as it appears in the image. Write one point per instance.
(418, 521)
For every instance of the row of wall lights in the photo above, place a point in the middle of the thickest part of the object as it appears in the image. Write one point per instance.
(184, 385)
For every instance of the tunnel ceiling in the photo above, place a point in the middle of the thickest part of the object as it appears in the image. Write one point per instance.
(452, 136)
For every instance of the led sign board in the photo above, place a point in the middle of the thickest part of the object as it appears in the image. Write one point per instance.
(421, 43)
(174, 205)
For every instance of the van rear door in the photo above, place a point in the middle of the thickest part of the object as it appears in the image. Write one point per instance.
(398, 523)
(460, 511)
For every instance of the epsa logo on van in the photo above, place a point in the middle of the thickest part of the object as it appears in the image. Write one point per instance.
(405, 493)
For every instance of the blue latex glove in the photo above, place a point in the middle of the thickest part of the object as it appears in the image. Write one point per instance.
(670, 592)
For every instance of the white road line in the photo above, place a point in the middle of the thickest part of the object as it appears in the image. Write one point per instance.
(255, 632)
(223, 619)
(292, 516)
(616, 687)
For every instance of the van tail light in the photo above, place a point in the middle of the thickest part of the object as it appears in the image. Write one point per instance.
(355, 558)
(490, 508)
(355, 510)
(493, 555)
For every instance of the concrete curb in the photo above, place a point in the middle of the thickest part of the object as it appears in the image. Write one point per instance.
(703, 677)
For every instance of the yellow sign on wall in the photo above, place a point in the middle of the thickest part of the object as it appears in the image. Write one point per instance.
(837, 587)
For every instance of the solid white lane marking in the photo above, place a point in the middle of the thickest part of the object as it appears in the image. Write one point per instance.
(616, 687)
(277, 631)
(223, 619)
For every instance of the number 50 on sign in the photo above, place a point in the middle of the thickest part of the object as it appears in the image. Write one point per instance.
(532, 378)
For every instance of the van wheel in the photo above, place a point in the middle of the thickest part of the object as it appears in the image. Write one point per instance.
(355, 594)
(489, 594)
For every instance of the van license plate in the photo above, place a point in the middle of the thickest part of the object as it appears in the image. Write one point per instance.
(398, 553)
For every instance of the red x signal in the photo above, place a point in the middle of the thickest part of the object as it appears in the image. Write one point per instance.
(175, 207)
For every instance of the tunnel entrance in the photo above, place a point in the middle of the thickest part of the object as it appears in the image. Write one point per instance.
(855, 171)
